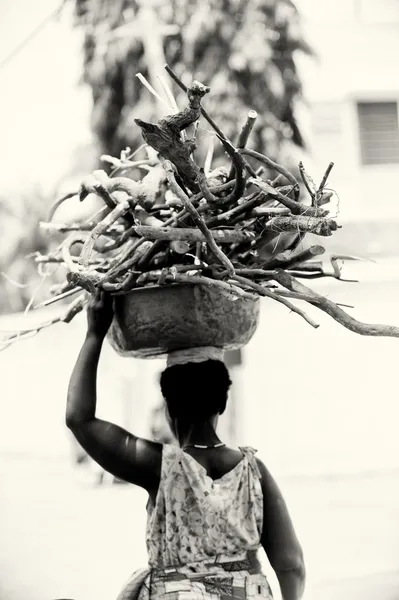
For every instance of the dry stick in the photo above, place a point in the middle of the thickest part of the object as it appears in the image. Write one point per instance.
(270, 212)
(297, 208)
(88, 280)
(317, 225)
(244, 135)
(325, 177)
(259, 289)
(311, 267)
(320, 198)
(73, 309)
(288, 259)
(76, 238)
(270, 275)
(211, 122)
(152, 251)
(333, 310)
(59, 297)
(53, 208)
(209, 156)
(203, 111)
(305, 180)
(295, 296)
(198, 280)
(270, 163)
(122, 165)
(91, 185)
(239, 167)
(128, 158)
(256, 273)
(62, 228)
(122, 287)
(124, 184)
(105, 195)
(197, 218)
(251, 202)
(240, 183)
(129, 257)
(59, 260)
(222, 236)
(119, 211)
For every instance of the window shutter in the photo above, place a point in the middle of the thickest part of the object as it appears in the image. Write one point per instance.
(379, 132)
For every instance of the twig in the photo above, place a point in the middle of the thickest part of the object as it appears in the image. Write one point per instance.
(259, 289)
(296, 296)
(272, 211)
(306, 181)
(209, 156)
(271, 164)
(71, 292)
(244, 135)
(197, 218)
(333, 310)
(62, 228)
(198, 280)
(325, 177)
(132, 253)
(75, 238)
(120, 210)
(251, 202)
(297, 208)
(222, 236)
(88, 280)
(289, 258)
(239, 168)
(319, 226)
(203, 111)
(149, 87)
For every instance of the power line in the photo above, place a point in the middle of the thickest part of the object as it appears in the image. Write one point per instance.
(33, 34)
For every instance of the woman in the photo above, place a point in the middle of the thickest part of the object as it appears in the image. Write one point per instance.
(210, 507)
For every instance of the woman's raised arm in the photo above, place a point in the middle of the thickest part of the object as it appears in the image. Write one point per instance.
(119, 452)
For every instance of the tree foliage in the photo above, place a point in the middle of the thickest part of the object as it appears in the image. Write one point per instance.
(245, 50)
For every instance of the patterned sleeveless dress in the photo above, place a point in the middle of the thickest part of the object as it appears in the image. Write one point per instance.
(202, 534)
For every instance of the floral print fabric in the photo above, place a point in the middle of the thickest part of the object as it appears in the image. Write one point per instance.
(203, 535)
(195, 518)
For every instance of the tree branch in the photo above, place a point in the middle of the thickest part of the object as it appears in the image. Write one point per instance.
(329, 307)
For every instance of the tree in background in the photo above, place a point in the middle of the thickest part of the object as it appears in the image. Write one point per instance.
(243, 49)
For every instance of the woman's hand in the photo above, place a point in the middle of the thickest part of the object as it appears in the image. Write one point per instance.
(100, 313)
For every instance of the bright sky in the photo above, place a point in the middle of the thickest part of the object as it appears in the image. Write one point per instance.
(44, 113)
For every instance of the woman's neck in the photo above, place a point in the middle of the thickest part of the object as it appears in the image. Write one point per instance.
(201, 434)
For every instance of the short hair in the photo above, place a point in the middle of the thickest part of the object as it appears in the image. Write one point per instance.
(196, 391)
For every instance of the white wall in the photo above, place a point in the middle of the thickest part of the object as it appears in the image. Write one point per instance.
(357, 47)
(323, 401)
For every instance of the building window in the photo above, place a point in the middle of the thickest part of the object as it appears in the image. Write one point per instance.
(379, 132)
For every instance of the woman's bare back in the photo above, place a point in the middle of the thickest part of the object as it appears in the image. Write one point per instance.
(217, 462)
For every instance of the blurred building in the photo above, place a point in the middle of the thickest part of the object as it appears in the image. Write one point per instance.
(353, 92)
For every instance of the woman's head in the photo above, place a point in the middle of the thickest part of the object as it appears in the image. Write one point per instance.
(195, 392)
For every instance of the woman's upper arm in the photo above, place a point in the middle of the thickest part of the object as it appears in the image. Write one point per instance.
(121, 453)
(279, 539)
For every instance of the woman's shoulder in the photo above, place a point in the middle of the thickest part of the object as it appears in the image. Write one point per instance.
(248, 450)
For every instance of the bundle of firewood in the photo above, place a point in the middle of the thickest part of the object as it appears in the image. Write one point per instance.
(181, 223)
